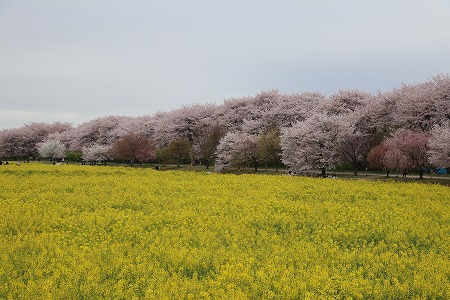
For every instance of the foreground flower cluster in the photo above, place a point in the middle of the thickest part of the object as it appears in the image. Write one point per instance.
(80, 232)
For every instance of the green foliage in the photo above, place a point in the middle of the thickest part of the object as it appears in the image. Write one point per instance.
(208, 139)
(74, 156)
(179, 152)
(270, 148)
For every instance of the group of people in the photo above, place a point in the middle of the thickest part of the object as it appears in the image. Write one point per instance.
(7, 162)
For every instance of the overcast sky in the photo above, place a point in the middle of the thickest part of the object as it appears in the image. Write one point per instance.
(74, 61)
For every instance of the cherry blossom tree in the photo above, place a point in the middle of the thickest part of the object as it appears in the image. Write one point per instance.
(52, 149)
(233, 112)
(353, 149)
(377, 117)
(23, 142)
(223, 152)
(294, 108)
(237, 149)
(103, 131)
(96, 153)
(407, 150)
(376, 158)
(180, 123)
(441, 95)
(393, 158)
(11, 143)
(259, 117)
(346, 101)
(388, 156)
(245, 151)
(133, 148)
(2, 148)
(423, 105)
(311, 145)
(142, 126)
(271, 109)
(417, 107)
(439, 145)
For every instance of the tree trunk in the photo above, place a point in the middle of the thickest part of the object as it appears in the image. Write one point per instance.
(355, 173)
(323, 173)
(387, 173)
(421, 173)
(256, 168)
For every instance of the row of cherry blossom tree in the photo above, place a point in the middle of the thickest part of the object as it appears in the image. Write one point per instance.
(403, 129)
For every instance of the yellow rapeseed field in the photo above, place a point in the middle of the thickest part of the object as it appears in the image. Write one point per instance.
(83, 232)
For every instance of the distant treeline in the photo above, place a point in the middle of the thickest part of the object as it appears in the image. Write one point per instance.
(403, 129)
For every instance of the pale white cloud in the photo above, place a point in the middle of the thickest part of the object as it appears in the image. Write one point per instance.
(136, 57)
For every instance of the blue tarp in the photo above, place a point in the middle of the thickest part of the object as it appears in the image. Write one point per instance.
(440, 171)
